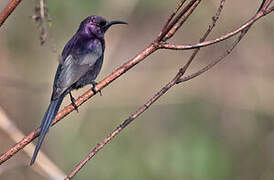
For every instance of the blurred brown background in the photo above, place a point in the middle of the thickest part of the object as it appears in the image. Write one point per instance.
(216, 126)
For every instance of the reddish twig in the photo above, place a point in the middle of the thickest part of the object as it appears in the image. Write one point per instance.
(227, 52)
(269, 10)
(214, 20)
(171, 23)
(266, 4)
(181, 21)
(222, 38)
(164, 29)
(8, 10)
(212, 64)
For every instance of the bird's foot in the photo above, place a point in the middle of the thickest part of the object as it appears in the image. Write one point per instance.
(93, 88)
(73, 102)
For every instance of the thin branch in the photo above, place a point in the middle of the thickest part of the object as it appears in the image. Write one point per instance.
(222, 38)
(214, 20)
(212, 64)
(170, 24)
(42, 9)
(184, 17)
(164, 29)
(266, 4)
(143, 108)
(261, 6)
(8, 10)
(221, 58)
(269, 10)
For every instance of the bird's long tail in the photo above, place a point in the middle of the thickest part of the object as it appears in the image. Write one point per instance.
(46, 123)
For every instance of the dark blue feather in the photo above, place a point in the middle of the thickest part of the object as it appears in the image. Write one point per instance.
(46, 123)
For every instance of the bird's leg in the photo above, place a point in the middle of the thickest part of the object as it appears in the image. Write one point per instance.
(93, 88)
(73, 102)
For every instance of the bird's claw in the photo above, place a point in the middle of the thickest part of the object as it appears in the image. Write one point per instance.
(73, 102)
(93, 88)
(74, 105)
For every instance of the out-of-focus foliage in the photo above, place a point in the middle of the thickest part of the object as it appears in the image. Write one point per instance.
(217, 126)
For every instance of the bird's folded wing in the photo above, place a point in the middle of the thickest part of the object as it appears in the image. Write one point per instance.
(77, 65)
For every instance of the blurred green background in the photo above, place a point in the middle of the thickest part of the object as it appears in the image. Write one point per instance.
(216, 126)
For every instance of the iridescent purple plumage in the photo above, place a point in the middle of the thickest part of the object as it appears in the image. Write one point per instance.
(81, 62)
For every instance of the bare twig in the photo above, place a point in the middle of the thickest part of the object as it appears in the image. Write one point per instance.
(181, 21)
(8, 10)
(164, 29)
(227, 52)
(222, 38)
(170, 24)
(266, 4)
(269, 10)
(214, 20)
(212, 64)
(261, 6)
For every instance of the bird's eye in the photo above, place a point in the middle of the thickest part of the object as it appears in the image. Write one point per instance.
(102, 23)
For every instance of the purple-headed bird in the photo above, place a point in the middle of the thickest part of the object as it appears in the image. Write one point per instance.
(80, 63)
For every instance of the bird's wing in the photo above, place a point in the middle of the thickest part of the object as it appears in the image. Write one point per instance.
(76, 65)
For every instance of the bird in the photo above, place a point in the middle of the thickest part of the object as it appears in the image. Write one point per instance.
(80, 63)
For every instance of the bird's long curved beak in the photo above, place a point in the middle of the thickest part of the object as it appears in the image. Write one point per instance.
(112, 23)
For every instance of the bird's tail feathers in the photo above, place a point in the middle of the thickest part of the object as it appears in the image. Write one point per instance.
(46, 123)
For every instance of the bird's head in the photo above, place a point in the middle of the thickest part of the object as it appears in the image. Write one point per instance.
(97, 25)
